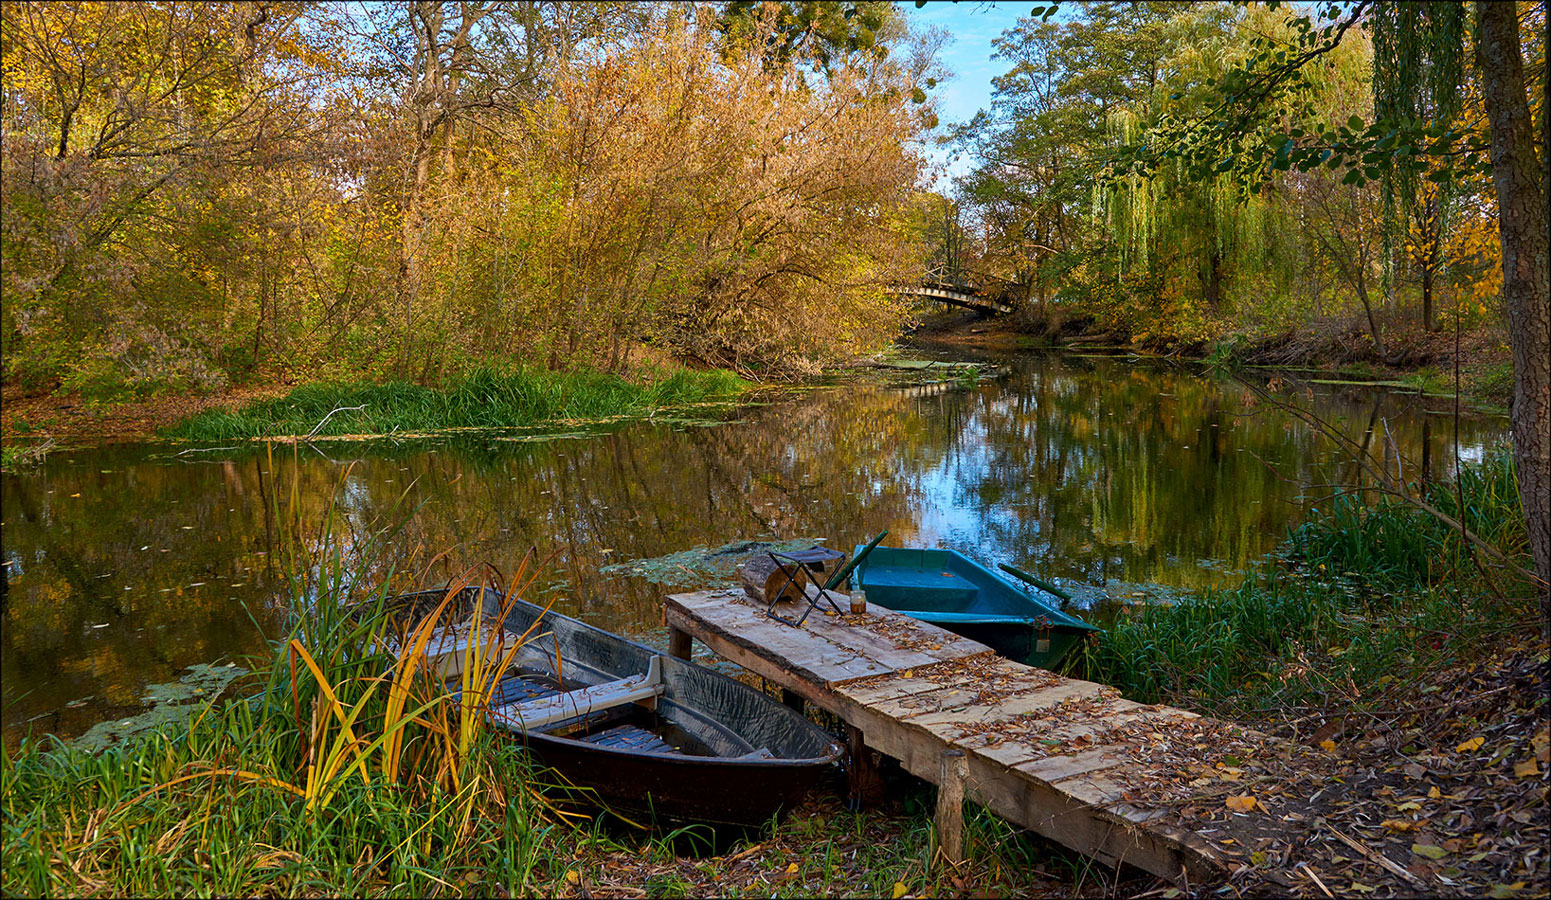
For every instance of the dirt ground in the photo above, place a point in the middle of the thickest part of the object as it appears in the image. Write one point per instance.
(67, 420)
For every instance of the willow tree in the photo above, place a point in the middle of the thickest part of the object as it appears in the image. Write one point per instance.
(1421, 54)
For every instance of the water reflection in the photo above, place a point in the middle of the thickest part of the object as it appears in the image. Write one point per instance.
(130, 563)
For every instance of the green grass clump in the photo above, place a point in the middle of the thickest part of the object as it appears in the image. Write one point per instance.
(1398, 543)
(350, 771)
(482, 399)
(1373, 594)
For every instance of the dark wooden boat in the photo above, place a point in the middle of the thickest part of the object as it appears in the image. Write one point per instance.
(649, 736)
(951, 590)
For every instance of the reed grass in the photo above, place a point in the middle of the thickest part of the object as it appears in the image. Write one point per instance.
(1400, 544)
(352, 770)
(482, 399)
(1368, 595)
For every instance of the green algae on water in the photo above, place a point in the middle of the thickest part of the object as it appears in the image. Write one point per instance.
(704, 567)
(170, 703)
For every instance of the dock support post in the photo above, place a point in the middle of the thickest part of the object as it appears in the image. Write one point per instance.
(865, 782)
(794, 700)
(680, 643)
(950, 806)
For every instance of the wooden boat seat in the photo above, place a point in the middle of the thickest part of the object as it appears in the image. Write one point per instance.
(926, 590)
(633, 738)
(543, 712)
(446, 648)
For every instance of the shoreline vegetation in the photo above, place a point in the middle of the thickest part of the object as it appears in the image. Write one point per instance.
(338, 783)
(1335, 353)
(527, 396)
(484, 398)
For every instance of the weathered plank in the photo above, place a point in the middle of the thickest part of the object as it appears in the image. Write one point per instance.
(914, 710)
(1069, 759)
(989, 671)
(856, 634)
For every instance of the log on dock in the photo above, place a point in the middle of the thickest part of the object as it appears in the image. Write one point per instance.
(763, 578)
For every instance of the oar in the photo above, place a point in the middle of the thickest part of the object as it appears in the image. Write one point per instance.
(839, 577)
(1044, 585)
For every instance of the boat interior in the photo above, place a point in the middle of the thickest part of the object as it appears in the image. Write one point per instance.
(571, 681)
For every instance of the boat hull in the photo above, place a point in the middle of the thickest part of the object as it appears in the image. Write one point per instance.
(950, 590)
(737, 757)
(669, 792)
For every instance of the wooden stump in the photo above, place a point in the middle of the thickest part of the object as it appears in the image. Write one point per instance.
(762, 578)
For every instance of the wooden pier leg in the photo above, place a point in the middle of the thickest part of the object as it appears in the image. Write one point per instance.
(866, 784)
(680, 643)
(794, 700)
(950, 806)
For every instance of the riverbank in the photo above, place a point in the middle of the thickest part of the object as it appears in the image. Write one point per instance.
(1417, 663)
(323, 781)
(1325, 641)
(30, 425)
(1372, 640)
(1417, 360)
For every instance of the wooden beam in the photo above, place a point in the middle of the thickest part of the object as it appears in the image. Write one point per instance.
(863, 779)
(950, 806)
(681, 643)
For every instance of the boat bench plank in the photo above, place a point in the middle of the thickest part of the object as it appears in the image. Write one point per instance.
(1069, 759)
(446, 647)
(532, 715)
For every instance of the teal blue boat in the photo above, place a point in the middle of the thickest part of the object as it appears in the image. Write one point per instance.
(950, 590)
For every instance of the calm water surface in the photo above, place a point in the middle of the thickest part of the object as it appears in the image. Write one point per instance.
(1124, 481)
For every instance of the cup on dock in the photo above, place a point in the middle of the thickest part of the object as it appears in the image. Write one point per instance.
(858, 602)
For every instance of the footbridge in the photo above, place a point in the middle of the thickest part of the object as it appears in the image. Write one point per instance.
(963, 295)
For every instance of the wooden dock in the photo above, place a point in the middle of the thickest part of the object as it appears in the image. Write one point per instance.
(1122, 782)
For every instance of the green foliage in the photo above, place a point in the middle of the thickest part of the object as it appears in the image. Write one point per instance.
(483, 399)
(825, 30)
(1375, 593)
(1181, 171)
(1396, 542)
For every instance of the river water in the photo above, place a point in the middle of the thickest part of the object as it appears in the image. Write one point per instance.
(1125, 481)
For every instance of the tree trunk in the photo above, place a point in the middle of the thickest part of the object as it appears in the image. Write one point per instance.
(1522, 209)
(1214, 280)
(1362, 294)
(1429, 323)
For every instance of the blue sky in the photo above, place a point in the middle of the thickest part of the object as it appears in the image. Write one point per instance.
(973, 26)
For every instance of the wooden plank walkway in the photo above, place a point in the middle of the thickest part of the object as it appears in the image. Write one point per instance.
(1068, 759)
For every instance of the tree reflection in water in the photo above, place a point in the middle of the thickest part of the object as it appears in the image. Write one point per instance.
(129, 564)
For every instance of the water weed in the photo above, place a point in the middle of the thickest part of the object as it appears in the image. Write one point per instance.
(483, 399)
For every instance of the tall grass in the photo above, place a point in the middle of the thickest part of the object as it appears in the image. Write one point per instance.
(1372, 594)
(1401, 544)
(353, 770)
(483, 399)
